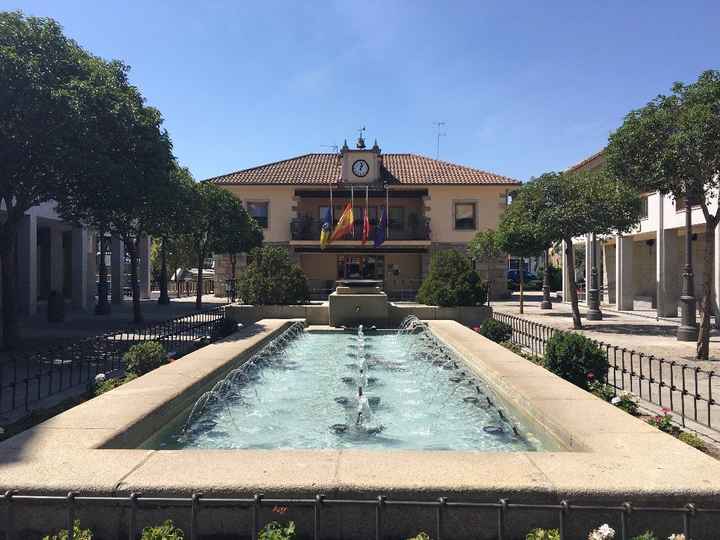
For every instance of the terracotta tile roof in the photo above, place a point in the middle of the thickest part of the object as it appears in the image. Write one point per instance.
(586, 161)
(409, 169)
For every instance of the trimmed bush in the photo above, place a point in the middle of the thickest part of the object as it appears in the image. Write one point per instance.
(452, 282)
(421, 536)
(110, 384)
(497, 331)
(576, 359)
(144, 357)
(166, 531)
(692, 440)
(543, 534)
(278, 531)
(271, 278)
(647, 535)
(78, 533)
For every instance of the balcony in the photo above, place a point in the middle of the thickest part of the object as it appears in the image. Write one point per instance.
(308, 229)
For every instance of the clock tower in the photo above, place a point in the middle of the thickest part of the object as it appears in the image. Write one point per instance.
(360, 165)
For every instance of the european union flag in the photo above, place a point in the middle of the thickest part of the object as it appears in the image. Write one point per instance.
(380, 230)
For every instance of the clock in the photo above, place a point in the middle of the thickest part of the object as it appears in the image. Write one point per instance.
(360, 168)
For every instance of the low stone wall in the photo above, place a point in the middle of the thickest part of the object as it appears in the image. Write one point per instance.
(318, 314)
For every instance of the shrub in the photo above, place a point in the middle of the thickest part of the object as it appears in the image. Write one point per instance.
(601, 390)
(277, 531)
(144, 357)
(110, 384)
(662, 421)
(626, 402)
(225, 328)
(421, 536)
(647, 535)
(78, 533)
(166, 531)
(452, 282)
(543, 534)
(692, 440)
(272, 278)
(575, 358)
(496, 330)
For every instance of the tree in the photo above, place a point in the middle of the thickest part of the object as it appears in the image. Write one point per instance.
(484, 249)
(210, 207)
(672, 145)
(519, 233)
(41, 128)
(568, 205)
(236, 232)
(451, 281)
(272, 278)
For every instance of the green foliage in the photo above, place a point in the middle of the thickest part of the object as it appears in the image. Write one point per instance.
(518, 233)
(272, 278)
(166, 531)
(626, 402)
(554, 277)
(496, 330)
(543, 534)
(575, 358)
(144, 357)
(692, 440)
(647, 535)
(662, 421)
(513, 347)
(484, 249)
(78, 533)
(421, 536)
(111, 384)
(452, 282)
(278, 531)
(601, 390)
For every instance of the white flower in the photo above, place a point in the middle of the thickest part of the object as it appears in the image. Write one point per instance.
(677, 536)
(99, 378)
(615, 400)
(604, 532)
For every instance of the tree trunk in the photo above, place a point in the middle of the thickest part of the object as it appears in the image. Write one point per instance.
(164, 298)
(199, 292)
(8, 244)
(570, 261)
(135, 283)
(522, 286)
(706, 301)
(103, 306)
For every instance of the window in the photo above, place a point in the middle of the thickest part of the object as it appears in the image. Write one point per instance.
(465, 216)
(396, 218)
(259, 211)
(643, 207)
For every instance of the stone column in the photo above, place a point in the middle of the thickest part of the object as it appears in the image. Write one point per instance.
(27, 265)
(624, 291)
(588, 264)
(79, 267)
(117, 269)
(609, 272)
(144, 273)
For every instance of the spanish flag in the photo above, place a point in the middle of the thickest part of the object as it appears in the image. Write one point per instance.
(325, 230)
(344, 224)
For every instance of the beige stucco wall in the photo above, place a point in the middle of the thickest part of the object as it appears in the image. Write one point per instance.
(409, 265)
(490, 202)
(280, 209)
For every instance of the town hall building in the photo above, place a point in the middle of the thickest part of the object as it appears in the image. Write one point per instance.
(430, 205)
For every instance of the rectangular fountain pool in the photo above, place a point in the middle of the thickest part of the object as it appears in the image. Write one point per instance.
(381, 390)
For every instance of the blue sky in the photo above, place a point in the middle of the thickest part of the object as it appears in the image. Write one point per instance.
(524, 87)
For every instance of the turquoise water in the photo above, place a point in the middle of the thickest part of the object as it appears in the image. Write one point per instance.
(306, 396)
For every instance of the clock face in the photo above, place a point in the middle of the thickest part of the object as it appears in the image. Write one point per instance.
(360, 168)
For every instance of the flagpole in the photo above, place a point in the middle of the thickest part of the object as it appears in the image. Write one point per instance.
(332, 211)
(352, 209)
(387, 212)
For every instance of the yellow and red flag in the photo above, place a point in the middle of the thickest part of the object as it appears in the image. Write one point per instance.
(344, 224)
(366, 227)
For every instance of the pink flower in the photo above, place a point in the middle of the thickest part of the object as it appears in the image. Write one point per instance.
(590, 376)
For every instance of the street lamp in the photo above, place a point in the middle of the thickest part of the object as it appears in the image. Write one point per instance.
(688, 330)
(593, 294)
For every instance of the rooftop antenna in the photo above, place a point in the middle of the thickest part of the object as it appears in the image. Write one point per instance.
(440, 126)
(361, 140)
(334, 147)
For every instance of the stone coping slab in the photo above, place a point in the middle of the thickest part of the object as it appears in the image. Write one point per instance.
(609, 456)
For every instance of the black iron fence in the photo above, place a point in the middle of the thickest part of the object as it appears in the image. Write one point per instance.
(26, 380)
(687, 391)
(566, 515)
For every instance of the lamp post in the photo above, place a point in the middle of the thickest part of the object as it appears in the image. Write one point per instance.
(593, 295)
(546, 303)
(688, 330)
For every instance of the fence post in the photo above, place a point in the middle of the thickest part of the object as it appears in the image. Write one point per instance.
(378, 517)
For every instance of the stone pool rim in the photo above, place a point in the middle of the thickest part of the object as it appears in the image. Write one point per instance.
(610, 455)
